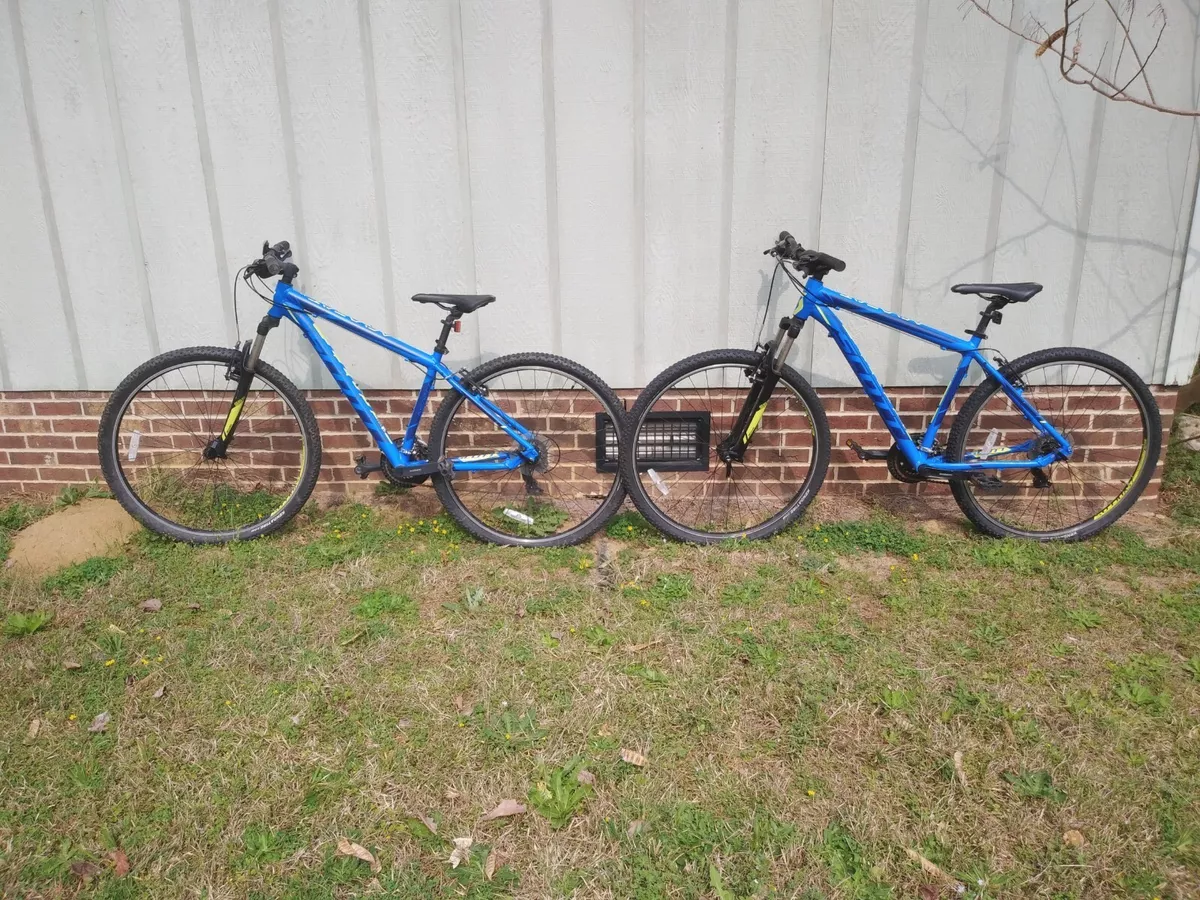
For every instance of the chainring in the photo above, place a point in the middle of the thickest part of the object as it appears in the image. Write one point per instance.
(397, 477)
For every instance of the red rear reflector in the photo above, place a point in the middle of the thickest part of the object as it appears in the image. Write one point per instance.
(457, 327)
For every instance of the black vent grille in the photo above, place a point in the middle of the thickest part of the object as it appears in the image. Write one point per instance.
(669, 441)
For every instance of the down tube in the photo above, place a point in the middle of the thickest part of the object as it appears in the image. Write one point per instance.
(348, 387)
(870, 384)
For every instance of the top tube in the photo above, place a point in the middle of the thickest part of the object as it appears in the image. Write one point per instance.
(289, 300)
(817, 295)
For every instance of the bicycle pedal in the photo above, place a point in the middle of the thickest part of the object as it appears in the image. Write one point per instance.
(866, 454)
(362, 470)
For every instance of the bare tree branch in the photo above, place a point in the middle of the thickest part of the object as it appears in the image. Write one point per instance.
(1066, 41)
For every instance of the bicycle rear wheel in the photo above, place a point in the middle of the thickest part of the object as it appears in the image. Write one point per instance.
(1094, 400)
(669, 453)
(563, 498)
(158, 423)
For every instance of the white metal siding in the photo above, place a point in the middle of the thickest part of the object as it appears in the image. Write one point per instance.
(611, 169)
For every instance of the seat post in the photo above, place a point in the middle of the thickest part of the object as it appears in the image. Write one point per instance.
(988, 316)
(448, 324)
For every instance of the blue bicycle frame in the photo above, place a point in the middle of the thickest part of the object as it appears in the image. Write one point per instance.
(289, 303)
(819, 301)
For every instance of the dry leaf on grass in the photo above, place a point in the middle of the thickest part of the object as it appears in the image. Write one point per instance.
(194, 607)
(633, 757)
(637, 826)
(34, 727)
(461, 852)
(931, 868)
(120, 863)
(71, 665)
(489, 866)
(100, 723)
(1073, 838)
(158, 695)
(428, 823)
(586, 777)
(928, 892)
(151, 605)
(958, 767)
(503, 809)
(347, 847)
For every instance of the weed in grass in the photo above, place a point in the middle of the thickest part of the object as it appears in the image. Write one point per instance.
(849, 871)
(875, 536)
(1086, 619)
(384, 602)
(648, 674)
(1192, 667)
(989, 633)
(893, 700)
(74, 580)
(1035, 785)
(265, 845)
(510, 732)
(20, 624)
(629, 526)
(472, 601)
(559, 794)
(669, 588)
(598, 636)
(744, 593)
(473, 882)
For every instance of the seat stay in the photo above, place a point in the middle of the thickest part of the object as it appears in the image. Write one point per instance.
(289, 303)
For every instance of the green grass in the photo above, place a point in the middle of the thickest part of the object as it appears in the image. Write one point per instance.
(799, 703)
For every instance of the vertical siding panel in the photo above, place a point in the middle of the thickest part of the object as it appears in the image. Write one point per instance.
(778, 153)
(241, 109)
(593, 77)
(1045, 196)
(151, 81)
(957, 146)
(871, 62)
(685, 105)
(502, 61)
(427, 217)
(1143, 182)
(323, 51)
(85, 186)
(35, 348)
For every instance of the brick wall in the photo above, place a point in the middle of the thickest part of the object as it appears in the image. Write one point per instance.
(48, 439)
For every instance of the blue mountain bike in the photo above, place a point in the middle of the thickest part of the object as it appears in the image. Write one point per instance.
(211, 444)
(1055, 445)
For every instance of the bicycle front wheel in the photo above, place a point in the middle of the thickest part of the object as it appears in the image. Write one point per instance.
(564, 497)
(161, 419)
(670, 462)
(1095, 401)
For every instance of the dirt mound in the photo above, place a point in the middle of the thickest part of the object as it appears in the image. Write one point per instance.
(89, 528)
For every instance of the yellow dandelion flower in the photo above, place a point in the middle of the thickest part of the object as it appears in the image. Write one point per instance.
(229, 703)
(916, 556)
(158, 659)
(812, 793)
(144, 661)
(72, 717)
(110, 662)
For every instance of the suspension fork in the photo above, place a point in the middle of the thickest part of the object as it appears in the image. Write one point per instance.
(762, 384)
(217, 446)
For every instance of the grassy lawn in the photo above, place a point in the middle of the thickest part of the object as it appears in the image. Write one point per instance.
(816, 714)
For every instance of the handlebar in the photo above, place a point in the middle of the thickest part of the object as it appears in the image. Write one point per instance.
(815, 263)
(274, 261)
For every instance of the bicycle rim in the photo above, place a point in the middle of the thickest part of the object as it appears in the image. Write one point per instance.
(1108, 425)
(565, 491)
(165, 425)
(704, 497)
